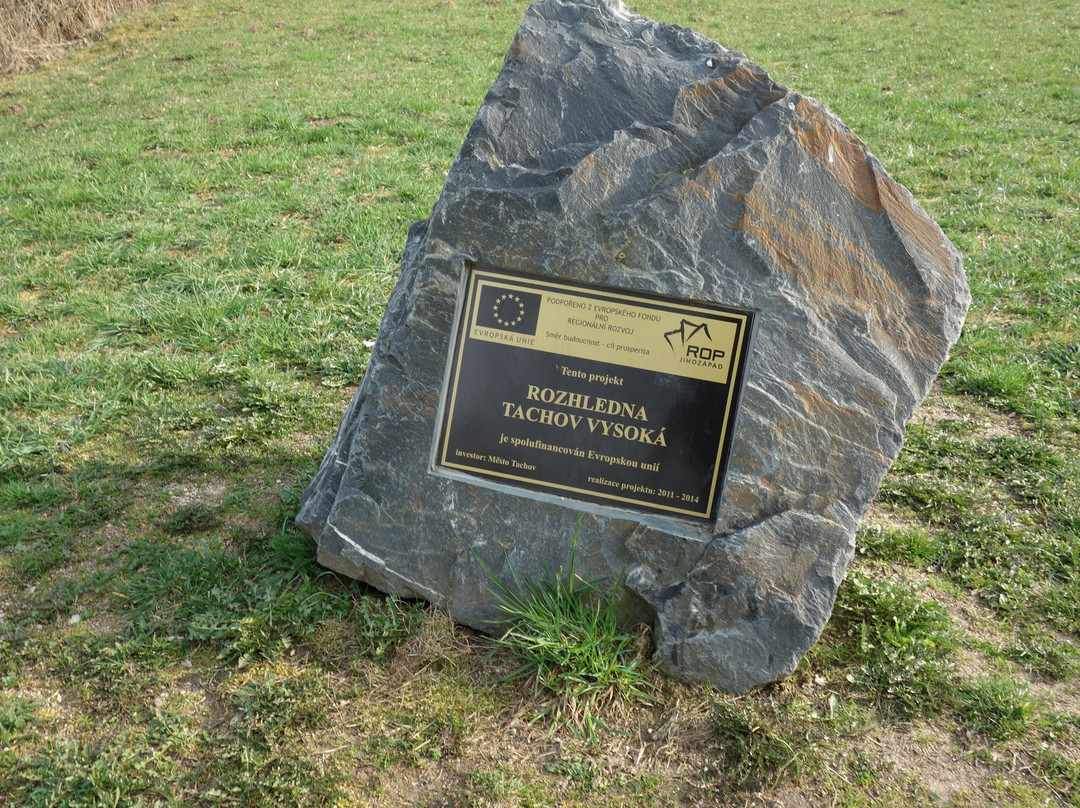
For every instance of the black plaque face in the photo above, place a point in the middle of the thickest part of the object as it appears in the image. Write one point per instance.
(605, 396)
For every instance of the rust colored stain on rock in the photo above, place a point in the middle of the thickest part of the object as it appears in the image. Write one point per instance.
(742, 78)
(910, 218)
(839, 151)
(740, 94)
(843, 424)
(837, 270)
(815, 251)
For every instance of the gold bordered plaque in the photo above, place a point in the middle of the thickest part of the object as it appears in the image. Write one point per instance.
(606, 396)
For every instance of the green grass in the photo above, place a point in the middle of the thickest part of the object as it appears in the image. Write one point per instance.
(898, 644)
(201, 216)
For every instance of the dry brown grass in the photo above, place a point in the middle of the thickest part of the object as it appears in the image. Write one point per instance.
(32, 31)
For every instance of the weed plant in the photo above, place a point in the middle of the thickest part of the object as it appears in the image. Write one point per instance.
(899, 644)
(16, 715)
(753, 752)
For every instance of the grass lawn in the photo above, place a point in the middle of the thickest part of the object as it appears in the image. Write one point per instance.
(201, 216)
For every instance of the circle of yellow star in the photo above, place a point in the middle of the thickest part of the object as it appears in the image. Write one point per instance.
(508, 318)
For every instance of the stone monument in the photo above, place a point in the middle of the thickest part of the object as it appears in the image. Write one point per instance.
(665, 295)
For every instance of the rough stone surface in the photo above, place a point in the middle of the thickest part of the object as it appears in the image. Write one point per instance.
(616, 150)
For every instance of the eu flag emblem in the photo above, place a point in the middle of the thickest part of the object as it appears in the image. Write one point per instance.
(508, 309)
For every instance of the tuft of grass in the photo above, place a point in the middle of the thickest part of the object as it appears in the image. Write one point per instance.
(270, 706)
(125, 768)
(994, 706)
(412, 738)
(108, 673)
(72, 773)
(1044, 655)
(563, 636)
(191, 519)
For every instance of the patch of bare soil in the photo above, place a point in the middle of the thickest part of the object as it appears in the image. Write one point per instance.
(939, 407)
(185, 494)
(931, 754)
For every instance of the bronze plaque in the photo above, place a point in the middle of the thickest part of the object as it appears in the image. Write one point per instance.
(601, 395)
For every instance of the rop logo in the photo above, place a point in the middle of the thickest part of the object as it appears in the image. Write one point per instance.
(690, 336)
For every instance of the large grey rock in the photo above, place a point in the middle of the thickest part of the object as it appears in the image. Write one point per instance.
(617, 150)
